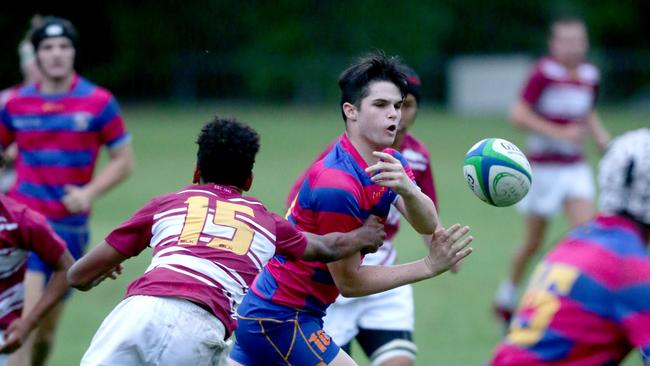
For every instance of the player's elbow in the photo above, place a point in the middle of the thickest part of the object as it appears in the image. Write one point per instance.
(351, 285)
(320, 253)
(352, 290)
(128, 166)
(77, 280)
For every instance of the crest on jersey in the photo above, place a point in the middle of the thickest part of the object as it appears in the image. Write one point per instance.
(81, 121)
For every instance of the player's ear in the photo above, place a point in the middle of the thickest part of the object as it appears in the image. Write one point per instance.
(248, 183)
(350, 111)
(196, 178)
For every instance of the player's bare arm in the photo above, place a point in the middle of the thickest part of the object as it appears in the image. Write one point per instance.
(447, 248)
(601, 135)
(523, 116)
(416, 206)
(19, 329)
(120, 166)
(101, 263)
(334, 246)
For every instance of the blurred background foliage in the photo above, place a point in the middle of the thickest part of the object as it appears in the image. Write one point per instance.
(293, 50)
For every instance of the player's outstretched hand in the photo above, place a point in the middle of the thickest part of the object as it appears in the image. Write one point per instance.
(15, 335)
(372, 232)
(448, 247)
(389, 172)
(113, 273)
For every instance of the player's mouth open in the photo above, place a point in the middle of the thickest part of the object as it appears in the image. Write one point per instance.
(392, 128)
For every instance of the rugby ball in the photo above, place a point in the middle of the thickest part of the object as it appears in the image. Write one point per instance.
(497, 172)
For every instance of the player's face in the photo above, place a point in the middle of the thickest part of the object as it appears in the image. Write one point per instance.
(409, 111)
(569, 43)
(55, 57)
(379, 114)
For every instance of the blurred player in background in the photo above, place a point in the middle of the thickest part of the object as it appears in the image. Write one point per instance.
(383, 323)
(59, 125)
(30, 74)
(280, 320)
(23, 230)
(557, 108)
(208, 244)
(588, 301)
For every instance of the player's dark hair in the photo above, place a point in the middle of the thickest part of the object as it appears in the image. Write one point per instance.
(227, 150)
(52, 26)
(413, 83)
(354, 81)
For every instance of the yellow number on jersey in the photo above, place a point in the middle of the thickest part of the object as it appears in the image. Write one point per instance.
(547, 282)
(195, 221)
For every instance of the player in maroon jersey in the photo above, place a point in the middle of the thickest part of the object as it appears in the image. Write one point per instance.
(23, 230)
(209, 242)
(557, 108)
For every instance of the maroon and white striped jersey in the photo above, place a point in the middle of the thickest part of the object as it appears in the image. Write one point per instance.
(21, 230)
(562, 97)
(209, 242)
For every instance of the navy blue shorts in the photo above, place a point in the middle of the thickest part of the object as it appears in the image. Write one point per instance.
(75, 237)
(272, 334)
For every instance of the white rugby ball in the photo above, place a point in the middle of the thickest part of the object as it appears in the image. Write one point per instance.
(497, 172)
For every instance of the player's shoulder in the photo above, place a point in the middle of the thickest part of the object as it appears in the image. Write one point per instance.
(553, 70)
(85, 87)
(333, 178)
(548, 68)
(8, 93)
(18, 92)
(588, 73)
(19, 213)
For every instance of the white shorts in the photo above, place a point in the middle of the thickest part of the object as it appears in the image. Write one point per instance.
(553, 184)
(146, 330)
(389, 310)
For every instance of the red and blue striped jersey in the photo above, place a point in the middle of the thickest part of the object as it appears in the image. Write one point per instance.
(59, 138)
(337, 195)
(588, 302)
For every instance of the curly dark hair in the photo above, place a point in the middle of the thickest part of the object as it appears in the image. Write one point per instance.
(227, 150)
(354, 81)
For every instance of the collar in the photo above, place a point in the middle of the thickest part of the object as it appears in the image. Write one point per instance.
(346, 145)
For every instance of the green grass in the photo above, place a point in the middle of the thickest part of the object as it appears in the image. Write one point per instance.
(453, 319)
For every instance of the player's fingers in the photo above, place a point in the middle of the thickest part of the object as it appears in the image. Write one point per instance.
(385, 156)
(444, 236)
(460, 245)
(463, 254)
(379, 166)
(385, 176)
(462, 231)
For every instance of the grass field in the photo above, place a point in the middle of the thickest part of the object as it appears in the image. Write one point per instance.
(454, 326)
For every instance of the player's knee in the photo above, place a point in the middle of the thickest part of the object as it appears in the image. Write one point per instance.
(401, 349)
